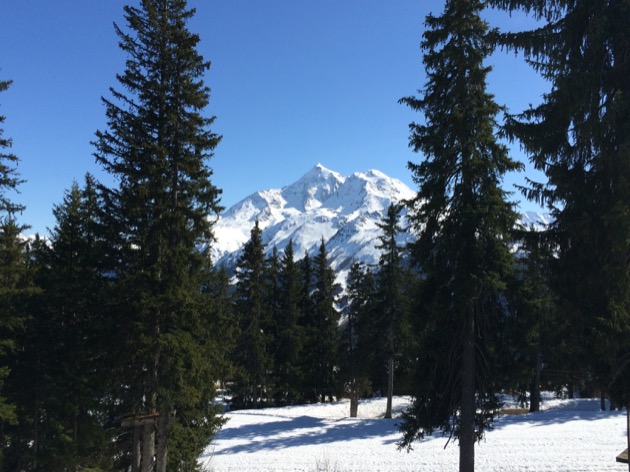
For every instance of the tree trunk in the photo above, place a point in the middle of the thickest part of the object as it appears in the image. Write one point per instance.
(534, 402)
(162, 441)
(354, 405)
(136, 448)
(148, 447)
(390, 386)
(468, 404)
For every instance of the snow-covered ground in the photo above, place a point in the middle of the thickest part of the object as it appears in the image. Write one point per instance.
(568, 435)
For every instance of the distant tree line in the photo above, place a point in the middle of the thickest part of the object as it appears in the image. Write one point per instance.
(116, 330)
(299, 339)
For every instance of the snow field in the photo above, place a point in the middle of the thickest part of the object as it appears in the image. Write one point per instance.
(569, 435)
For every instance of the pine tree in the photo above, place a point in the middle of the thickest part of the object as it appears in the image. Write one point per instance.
(15, 278)
(58, 386)
(356, 342)
(156, 145)
(392, 306)
(252, 355)
(580, 138)
(324, 325)
(464, 222)
(289, 339)
(534, 333)
(307, 325)
(9, 178)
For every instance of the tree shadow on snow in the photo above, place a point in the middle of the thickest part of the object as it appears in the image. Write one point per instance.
(300, 431)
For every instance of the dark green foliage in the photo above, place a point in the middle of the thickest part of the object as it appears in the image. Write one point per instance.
(580, 138)
(534, 334)
(156, 145)
(15, 296)
(357, 337)
(289, 333)
(61, 379)
(221, 310)
(323, 335)
(392, 315)
(16, 287)
(253, 383)
(9, 178)
(464, 224)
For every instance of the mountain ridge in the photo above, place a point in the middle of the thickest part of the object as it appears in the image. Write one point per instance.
(322, 204)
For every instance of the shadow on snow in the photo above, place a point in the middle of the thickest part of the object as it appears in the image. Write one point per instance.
(299, 431)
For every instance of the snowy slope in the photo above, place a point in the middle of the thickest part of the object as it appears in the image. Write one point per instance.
(569, 435)
(343, 211)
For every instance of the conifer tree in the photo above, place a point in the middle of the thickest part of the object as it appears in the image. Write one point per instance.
(61, 381)
(15, 282)
(580, 138)
(221, 306)
(392, 307)
(9, 178)
(157, 145)
(464, 223)
(289, 332)
(252, 355)
(534, 334)
(307, 324)
(324, 325)
(356, 344)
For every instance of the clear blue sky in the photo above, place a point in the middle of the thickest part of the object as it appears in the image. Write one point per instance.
(294, 83)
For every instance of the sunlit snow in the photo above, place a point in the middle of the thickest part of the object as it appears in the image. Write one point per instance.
(568, 435)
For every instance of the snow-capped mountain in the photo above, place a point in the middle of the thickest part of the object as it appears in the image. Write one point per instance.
(344, 211)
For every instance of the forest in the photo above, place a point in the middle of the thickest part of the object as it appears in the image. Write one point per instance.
(118, 334)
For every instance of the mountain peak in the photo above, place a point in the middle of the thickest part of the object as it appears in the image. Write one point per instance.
(321, 173)
(313, 188)
(321, 204)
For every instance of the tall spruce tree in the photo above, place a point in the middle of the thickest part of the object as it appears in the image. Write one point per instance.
(307, 324)
(464, 223)
(355, 343)
(157, 145)
(391, 297)
(61, 380)
(289, 338)
(533, 333)
(580, 138)
(15, 282)
(325, 321)
(252, 355)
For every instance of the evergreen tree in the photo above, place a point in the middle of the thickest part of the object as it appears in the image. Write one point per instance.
(156, 145)
(9, 178)
(221, 301)
(60, 380)
(15, 278)
(580, 138)
(325, 323)
(465, 223)
(355, 342)
(391, 298)
(289, 332)
(534, 334)
(307, 324)
(253, 385)
(74, 297)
